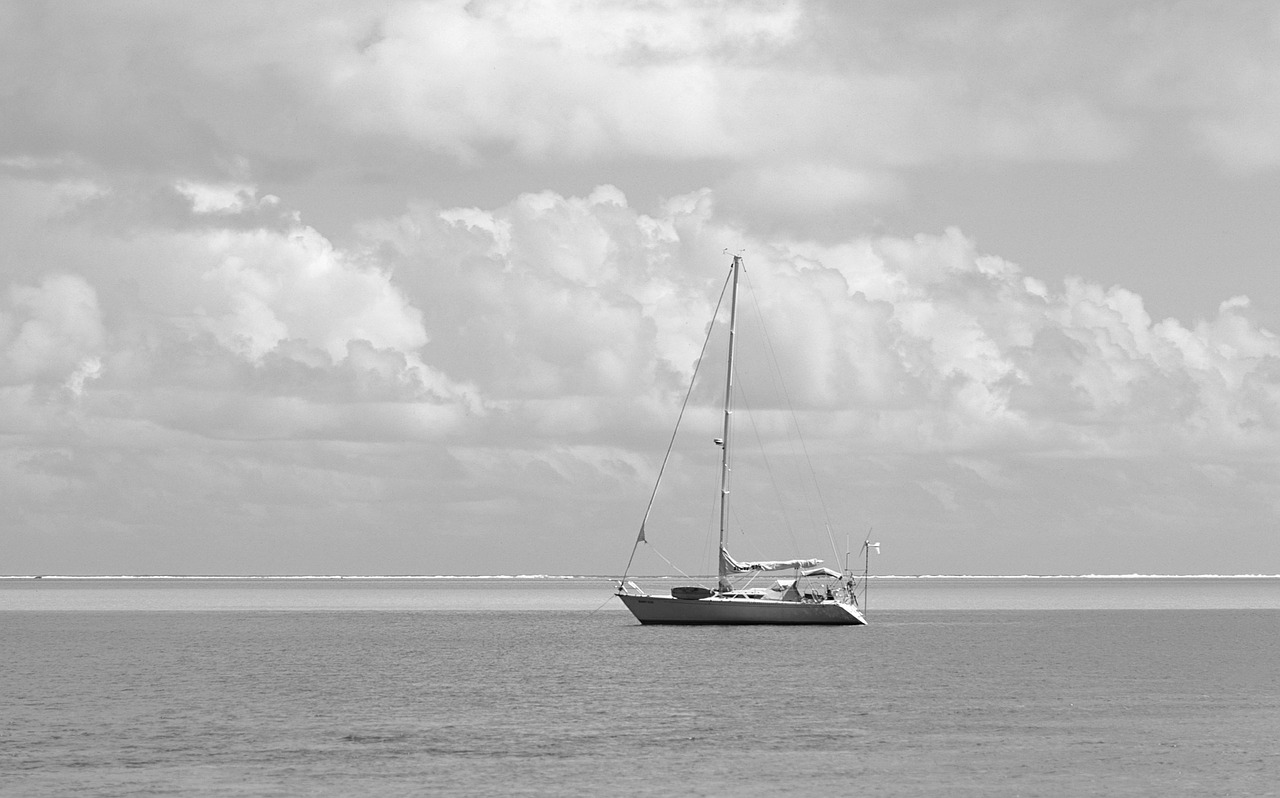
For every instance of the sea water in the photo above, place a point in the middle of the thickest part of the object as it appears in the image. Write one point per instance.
(520, 687)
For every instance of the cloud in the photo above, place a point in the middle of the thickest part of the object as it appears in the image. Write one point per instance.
(225, 299)
(550, 297)
(547, 296)
(184, 348)
(244, 92)
(51, 331)
(89, 369)
(567, 81)
(561, 80)
(540, 347)
(263, 288)
(1218, 76)
(926, 342)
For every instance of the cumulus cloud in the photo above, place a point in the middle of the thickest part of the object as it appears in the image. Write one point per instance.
(563, 309)
(263, 288)
(481, 350)
(536, 342)
(89, 369)
(679, 81)
(51, 331)
(225, 300)
(925, 342)
(549, 295)
(229, 91)
(556, 79)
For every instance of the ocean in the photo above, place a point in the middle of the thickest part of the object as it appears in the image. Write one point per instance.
(546, 686)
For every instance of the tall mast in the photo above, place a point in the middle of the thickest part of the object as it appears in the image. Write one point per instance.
(725, 570)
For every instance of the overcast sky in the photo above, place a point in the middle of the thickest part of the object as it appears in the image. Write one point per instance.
(416, 287)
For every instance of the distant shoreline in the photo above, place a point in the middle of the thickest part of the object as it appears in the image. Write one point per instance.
(554, 577)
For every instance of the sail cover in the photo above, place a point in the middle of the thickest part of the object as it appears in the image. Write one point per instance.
(732, 565)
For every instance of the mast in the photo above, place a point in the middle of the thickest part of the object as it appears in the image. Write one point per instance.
(866, 572)
(725, 570)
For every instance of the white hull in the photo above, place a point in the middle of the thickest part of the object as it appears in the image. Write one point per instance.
(718, 610)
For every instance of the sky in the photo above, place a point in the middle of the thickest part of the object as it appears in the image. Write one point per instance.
(418, 287)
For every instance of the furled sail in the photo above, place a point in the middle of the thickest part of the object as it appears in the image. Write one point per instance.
(730, 565)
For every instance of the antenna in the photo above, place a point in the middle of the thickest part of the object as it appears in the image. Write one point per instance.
(867, 546)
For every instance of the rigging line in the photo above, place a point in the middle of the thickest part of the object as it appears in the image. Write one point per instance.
(673, 565)
(795, 420)
(597, 609)
(768, 467)
(774, 378)
(711, 527)
(779, 387)
(683, 405)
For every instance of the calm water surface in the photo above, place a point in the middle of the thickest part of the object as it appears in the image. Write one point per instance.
(288, 697)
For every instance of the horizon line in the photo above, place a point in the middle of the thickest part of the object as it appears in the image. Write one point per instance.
(300, 577)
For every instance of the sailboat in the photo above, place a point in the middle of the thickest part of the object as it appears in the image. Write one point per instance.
(813, 594)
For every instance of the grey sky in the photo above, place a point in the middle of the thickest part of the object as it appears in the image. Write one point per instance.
(415, 287)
